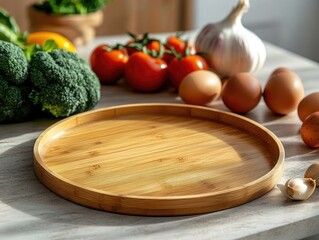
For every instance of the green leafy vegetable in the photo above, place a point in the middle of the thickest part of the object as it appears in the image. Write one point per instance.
(50, 45)
(30, 50)
(65, 7)
(9, 30)
(9, 22)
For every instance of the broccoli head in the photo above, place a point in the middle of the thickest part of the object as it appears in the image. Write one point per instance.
(63, 83)
(15, 104)
(13, 64)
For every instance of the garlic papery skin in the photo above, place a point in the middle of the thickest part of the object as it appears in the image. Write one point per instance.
(300, 188)
(313, 172)
(229, 47)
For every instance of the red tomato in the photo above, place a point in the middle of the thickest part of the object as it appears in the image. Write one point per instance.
(108, 63)
(179, 68)
(167, 57)
(139, 41)
(145, 73)
(130, 50)
(151, 45)
(154, 45)
(180, 45)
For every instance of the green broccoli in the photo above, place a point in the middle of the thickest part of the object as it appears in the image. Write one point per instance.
(13, 64)
(15, 104)
(63, 83)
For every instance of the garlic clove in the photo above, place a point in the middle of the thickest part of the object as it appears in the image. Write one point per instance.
(300, 188)
(313, 172)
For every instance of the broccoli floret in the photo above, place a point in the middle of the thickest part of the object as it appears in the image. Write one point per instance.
(63, 83)
(13, 64)
(15, 104)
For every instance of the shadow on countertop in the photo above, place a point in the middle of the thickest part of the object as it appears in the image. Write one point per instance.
(21, 190)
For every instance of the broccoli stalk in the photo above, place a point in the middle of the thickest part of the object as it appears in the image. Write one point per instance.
(63, 83)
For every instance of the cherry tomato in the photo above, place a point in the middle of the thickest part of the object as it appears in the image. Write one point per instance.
(108, 63)
(130, 50)
(151, 45)
(145, 73)
(179, 68)
(154, 45)
(136, 42)
(180, 45)
(167, 57)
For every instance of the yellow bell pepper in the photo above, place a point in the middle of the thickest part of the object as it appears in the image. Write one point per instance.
(41, 37)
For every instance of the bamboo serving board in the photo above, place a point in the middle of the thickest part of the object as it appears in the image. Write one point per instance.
(158, 159)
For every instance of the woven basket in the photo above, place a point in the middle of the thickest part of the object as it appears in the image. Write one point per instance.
(80, 29)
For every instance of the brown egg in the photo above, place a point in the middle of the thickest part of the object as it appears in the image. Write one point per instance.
(200, 87)
(308, 105)
(283, 92)
(241, 92)
(281, 70)
(310, 130)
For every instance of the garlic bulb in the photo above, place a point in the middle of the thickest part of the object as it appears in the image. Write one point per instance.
(300, 188)
(230, 47)
(313, 172)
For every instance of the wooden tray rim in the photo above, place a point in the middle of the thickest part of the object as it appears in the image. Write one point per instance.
(276, 168)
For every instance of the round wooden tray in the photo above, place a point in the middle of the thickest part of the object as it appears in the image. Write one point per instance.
(158, 159)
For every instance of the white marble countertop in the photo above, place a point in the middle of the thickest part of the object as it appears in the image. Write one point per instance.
(28, 210)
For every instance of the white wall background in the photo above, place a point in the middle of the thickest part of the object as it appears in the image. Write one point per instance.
(291, 24)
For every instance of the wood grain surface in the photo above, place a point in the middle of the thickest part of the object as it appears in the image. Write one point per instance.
(158, 159)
